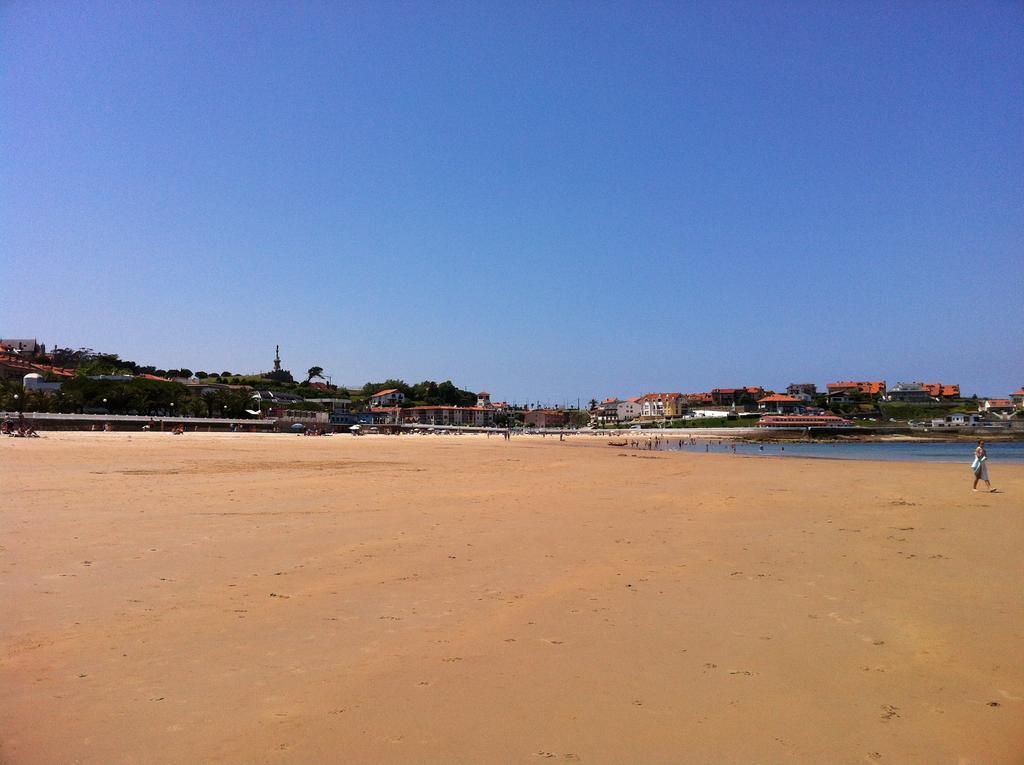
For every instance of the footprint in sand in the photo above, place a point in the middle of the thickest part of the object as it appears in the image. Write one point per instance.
(843, 620)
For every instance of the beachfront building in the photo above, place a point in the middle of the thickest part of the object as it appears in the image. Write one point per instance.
(657, 406)
(698, 399)
(545, 418)
(871, 388)
(803, 421)
(613, 410)
(802, 391)
(958, 420)
(627, 410)
(387, 397)
(675, 405)
(475, 416)
(652, 406)
(333, 405)
(276, 397)
(483, 400)
(780, 404)
(714, 412)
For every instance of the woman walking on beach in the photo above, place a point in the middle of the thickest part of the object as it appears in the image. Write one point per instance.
(980, 466)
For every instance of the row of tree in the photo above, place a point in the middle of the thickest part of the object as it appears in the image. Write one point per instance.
(426, 393)
(82, 395)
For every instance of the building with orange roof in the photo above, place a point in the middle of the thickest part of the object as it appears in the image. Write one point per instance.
(735, 396)
(1017, 397)
(387, 397)
(942, 390)
(14, 366)
(996, 405)
(865, 387)
(803, 421)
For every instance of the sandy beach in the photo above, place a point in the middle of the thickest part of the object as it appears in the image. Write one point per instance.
(277, 599)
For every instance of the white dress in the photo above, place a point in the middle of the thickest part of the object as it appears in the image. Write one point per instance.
(982, 472)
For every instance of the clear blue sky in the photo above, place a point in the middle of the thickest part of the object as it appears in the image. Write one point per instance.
(547, 200)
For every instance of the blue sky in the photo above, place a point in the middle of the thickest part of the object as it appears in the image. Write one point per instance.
(547, 200)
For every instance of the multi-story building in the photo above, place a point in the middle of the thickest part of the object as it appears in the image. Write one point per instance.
(475, 416)
(659, 405)
(387, 397)
(780, 404)
(675, 405)
(908, 393)
(802, 391)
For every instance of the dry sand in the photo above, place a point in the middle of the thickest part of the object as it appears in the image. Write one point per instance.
(263, 599)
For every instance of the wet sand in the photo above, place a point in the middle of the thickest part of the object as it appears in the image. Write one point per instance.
(275, 599)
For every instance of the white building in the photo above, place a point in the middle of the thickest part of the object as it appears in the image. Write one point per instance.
(35, 382)
(387, 397)
(958, 420)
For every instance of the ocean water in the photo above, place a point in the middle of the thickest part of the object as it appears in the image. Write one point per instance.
(909, 451)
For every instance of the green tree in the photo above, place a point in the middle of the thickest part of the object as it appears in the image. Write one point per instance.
(314, 372)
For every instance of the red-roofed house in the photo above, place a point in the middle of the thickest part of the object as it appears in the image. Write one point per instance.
(941, 390)
(867, 387)
(1017, 397)
(387, 397)
(996, 405)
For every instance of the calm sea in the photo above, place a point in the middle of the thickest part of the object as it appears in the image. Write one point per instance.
(904, 450)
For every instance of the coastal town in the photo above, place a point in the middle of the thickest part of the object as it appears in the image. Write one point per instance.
(71, 389)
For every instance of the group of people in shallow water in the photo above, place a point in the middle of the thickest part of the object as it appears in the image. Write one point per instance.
(21, 429)
(658, 443)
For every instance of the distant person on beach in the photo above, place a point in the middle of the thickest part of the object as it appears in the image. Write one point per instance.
(980, 467)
